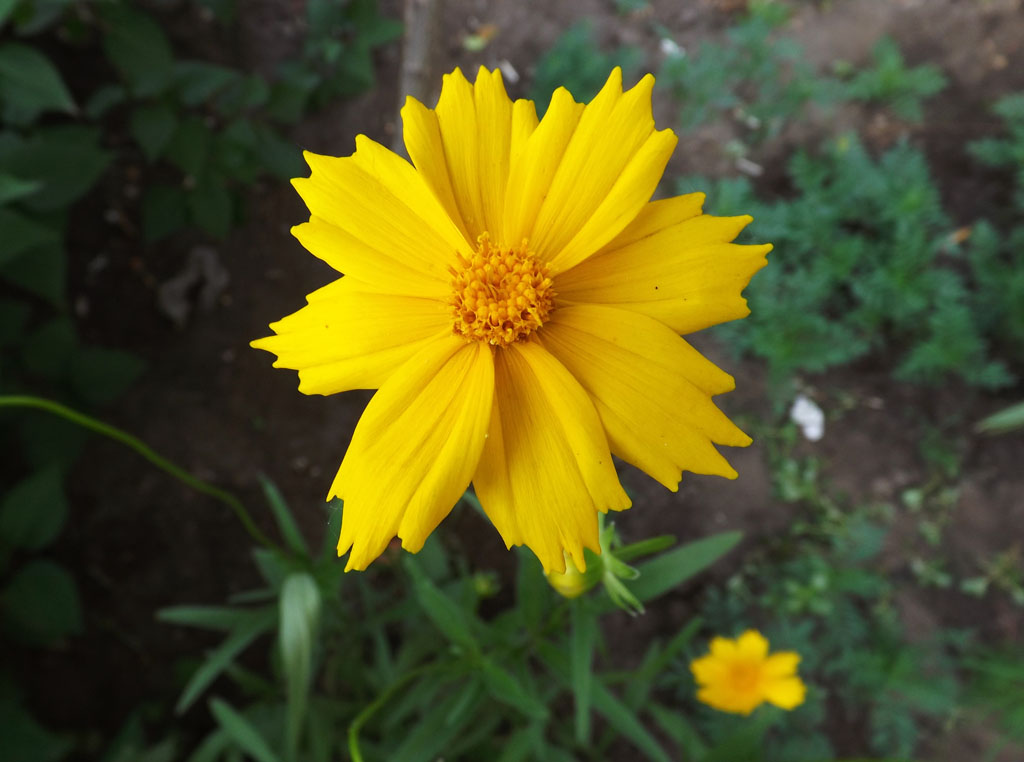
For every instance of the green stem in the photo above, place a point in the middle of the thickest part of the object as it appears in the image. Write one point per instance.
(140, 447)
(363, 717)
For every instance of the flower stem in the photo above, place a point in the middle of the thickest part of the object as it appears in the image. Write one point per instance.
(147, 452)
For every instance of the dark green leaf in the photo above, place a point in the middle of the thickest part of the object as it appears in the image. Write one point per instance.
(581, 657)
(190, 146)
(6, 9)
(211, 207)
(671, 569)
(67, 160)
(152, 127)
(212, 617)
(30, 85)
(101, 375)
(446, 614)
(48, 348)
(198, 81)
(164, 211)
(506, 688)
(13, 318)
(25, 740)
(138, 49)
(12, 188)
(33, 512)
(242, 732)
(21, 233)
(103, 99)
(283, 514)
(299, 618)
(40, 605)
(222, 656)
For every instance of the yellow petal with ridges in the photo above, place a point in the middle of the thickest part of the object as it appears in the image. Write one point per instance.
(684, 275)
(494, 141)
(613, 128)
(346, 338)
(622, 201)
(650, 387)
(415, 449)
(658, 215)
(378, 198)
(546, 469)
(460, 138)
(378, 270)
(531, 174)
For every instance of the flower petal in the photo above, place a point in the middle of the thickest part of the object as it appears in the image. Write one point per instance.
(415, 449)
(752, 645)
(379, 199)
(685, 274)
(347, 338)
(546, 469)
(788, 693)
(375, 269)
(781, 664)
(651, 389)
(538, 158)
(709, 669)
(608, 171)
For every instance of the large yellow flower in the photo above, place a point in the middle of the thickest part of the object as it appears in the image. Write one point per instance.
(517, 299)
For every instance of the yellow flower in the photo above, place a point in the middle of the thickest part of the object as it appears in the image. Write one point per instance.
(572, 583)
(516, 298)
(739, 675)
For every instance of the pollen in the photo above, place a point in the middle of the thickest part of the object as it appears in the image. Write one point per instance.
(500, 295)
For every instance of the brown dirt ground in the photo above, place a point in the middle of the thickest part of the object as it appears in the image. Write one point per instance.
(140, 541)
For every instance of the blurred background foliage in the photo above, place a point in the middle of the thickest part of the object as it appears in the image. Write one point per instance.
(427, 657)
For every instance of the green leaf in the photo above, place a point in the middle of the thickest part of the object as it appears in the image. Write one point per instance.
(446, 614)
(14, 314)
(1005, 420)
(47, 349)
(212, 617)
(222, 656)
(164, 211)
(22, 233)
(675, 725)
(283, 514)
(189, 147)
(299, 618)
(40, 605)
(41, 273)
(508, 689)
(581, 656)
(25, 740)
(67, 160)
(30, 85)
(242, 732)
(671, 569)
(12, 188)
(100, 375)
(103, 99)
(211, 206)
(33, 512)
(6, 9)
(152, 127)
(138, 49)
(198, 81)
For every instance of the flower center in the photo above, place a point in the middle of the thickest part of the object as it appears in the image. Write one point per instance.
(745, 676)
(500, 295)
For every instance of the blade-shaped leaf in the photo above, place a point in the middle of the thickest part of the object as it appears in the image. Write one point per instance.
(242, 732)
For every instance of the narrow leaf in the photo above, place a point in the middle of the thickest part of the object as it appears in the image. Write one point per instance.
(242, 732)
(283, 514)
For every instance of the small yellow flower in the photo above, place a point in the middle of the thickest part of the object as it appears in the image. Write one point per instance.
(517, 299)
(739, 675)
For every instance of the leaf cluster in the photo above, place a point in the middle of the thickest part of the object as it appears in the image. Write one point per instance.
(866, 261)
(423, 659)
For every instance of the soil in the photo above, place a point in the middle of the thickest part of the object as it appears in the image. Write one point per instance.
(140, 541)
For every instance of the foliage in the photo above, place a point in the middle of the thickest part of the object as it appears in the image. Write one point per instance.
(205, 132)
(408, 661)
(864, 260)
(576, 63)
(763, 79)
